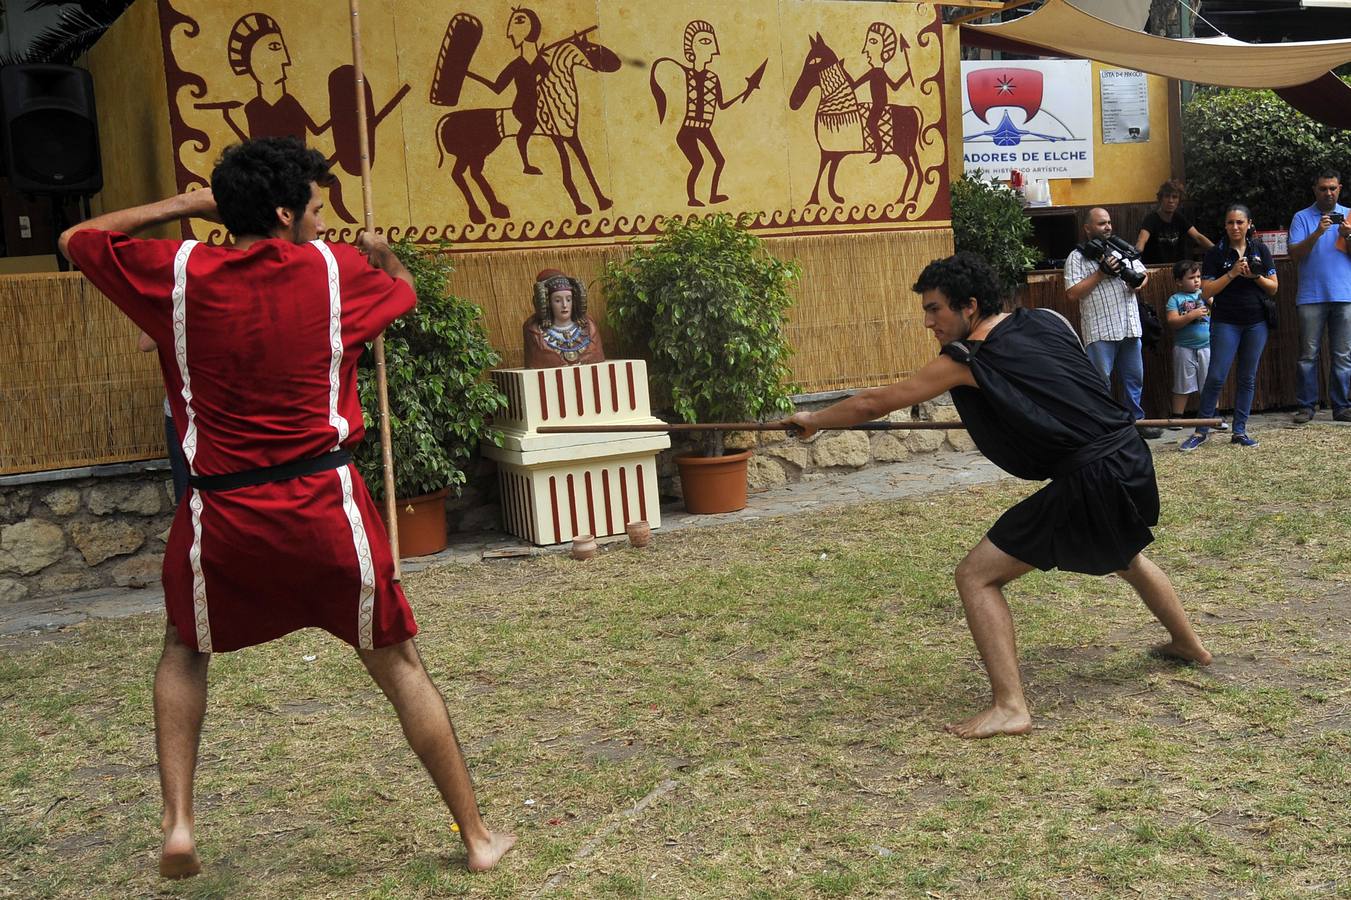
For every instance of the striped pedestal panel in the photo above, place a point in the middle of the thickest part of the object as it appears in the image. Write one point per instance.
(553, 503)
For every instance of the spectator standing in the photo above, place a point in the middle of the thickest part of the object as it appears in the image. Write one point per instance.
(1109, 315)
(1189, 316)
(1319, 241)
(1236, 274)
(1164, 232)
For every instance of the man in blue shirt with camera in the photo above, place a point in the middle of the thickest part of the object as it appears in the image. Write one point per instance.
(1319, 241)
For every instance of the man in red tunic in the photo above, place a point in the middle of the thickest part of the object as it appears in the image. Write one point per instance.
(258, 344)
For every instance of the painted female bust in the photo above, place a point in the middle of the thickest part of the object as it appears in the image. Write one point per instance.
(560, 333)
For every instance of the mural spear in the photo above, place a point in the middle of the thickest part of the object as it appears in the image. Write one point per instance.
(381, 381)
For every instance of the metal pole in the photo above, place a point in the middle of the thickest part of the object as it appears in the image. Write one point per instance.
(381, 382)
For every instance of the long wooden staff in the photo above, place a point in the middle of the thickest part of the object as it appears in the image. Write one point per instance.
(381, 382)
(865, 426)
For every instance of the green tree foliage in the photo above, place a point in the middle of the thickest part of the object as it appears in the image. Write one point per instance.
(709, 303)
(988, 219)
(1251, 147)
(440, 403)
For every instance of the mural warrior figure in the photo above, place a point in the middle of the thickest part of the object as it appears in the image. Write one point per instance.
(257, 48)
(703, 99)
(526, 72)
(879, 48)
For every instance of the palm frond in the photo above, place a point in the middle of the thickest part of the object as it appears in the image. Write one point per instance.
(79, 27)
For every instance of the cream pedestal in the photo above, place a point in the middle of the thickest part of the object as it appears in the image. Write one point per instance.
(556, 486)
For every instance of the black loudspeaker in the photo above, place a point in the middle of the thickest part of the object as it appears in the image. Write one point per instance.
(51, 136)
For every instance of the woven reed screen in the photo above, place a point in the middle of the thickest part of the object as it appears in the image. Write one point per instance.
(76, 392)
(854, 322)
(73, 387)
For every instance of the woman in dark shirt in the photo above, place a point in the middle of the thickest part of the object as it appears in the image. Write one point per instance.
(1237, 274)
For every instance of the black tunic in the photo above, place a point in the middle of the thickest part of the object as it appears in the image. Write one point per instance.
(1042, 411)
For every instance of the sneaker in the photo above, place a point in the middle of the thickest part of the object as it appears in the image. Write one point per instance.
(1174, 427)
(1151, 433)
(1243, 440)
(1223, 426)
(1197, 439)
(1302, 417)
(1343, 415)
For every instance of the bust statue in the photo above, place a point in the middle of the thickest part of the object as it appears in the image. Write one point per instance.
(560, 333)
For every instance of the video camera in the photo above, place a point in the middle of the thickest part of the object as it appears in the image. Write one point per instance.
(1113, 247)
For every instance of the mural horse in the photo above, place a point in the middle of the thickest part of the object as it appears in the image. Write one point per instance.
(841, 123)
(468, 136)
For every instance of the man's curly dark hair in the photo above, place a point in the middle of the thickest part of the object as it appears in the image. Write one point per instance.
(256, 177)
(959, 278)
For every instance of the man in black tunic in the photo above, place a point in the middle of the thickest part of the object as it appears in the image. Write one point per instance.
(1035, 406)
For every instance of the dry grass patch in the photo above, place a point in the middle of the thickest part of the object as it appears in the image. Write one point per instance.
(776, 690)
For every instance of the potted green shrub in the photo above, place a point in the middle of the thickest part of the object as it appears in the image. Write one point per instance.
(440, 403)
(988, 218)
(707, 305)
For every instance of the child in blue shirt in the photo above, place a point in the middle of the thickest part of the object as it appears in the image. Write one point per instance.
(1189, 315)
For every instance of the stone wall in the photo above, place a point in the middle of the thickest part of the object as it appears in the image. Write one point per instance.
(65, 536)
(59, 537)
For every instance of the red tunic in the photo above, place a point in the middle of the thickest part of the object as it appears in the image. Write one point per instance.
(258, 349)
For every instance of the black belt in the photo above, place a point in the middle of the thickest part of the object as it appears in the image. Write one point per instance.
(1104, 446)
(250, 477)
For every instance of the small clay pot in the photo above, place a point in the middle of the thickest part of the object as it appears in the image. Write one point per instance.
(640, 533)
(584, 546)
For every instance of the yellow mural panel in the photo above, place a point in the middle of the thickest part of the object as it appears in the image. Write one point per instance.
(265, 69)
(495, 124)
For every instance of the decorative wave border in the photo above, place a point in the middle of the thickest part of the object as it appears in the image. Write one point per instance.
(506, 235)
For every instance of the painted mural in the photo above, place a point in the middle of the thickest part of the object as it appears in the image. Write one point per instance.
(494, 123)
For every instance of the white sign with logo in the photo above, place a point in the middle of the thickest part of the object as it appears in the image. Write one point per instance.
(1125, 106)
(1035, 116)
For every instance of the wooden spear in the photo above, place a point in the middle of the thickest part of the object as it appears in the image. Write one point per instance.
(785, 426)
(381, 382)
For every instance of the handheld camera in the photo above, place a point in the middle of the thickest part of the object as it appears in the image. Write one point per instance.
(1113, 247)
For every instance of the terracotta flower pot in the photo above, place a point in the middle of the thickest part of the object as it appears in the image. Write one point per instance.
(714, 484)
(584, 546)
(639, 532)
(422, 524)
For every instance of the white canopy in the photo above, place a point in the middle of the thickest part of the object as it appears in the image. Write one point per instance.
(1062, 29)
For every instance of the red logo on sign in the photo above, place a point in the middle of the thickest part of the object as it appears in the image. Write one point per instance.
(990, 88)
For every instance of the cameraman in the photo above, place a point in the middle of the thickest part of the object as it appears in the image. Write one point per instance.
(1319, 241)
(1109, 315)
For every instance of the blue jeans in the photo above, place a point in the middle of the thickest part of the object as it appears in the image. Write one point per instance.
(1312, 318)
(1123, 356)
(1230, 343)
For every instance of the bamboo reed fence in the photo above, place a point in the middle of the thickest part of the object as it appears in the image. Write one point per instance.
(75, 391)
(73, 387)
(853, 322)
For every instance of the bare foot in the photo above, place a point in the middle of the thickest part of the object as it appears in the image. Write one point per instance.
(178, 856)
(484, 857)
(1191, 652)
(995, 720)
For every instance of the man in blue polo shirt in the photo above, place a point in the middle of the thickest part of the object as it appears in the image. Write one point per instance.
(1319, 238)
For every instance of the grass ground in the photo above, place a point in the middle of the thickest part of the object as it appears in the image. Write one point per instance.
(754, 711)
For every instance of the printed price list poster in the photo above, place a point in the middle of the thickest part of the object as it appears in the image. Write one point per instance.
(1125, 106)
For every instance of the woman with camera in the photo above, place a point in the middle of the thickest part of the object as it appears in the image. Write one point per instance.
(1239, 276)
